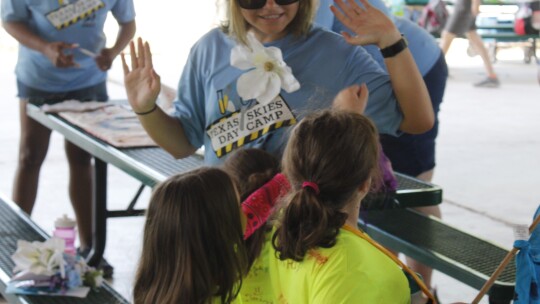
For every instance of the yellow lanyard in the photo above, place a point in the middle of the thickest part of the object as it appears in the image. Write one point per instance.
(420, 283)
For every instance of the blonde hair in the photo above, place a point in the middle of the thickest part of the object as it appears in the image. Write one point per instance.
(237, 26)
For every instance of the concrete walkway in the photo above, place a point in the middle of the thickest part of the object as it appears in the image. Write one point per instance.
(488, 158)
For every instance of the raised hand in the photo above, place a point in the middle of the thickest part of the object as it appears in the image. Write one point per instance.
(142, 82)
(370, 25)
(352, 99)
(55, 52)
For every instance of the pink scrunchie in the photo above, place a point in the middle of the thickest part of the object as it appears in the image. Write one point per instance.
(311, 185)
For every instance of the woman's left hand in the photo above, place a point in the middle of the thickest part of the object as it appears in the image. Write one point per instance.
(352, 99)
(370, 25)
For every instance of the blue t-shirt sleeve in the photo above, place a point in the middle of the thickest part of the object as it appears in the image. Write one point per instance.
(382, 106)
(189, 105)
(123, 11)
(14, 10)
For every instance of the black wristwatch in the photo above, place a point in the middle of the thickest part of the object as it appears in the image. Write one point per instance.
(394, 49)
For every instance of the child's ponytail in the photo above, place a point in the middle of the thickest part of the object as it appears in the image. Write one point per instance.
(331, 155)
(306, 223)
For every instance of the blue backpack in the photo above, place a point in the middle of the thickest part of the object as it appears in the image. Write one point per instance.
(528, 268)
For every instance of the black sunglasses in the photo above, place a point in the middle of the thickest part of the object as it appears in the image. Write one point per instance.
(258, 4)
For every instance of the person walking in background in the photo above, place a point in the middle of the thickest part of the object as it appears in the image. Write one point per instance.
(410, 154)
(62, 55)
(320, 256)
(463, 21)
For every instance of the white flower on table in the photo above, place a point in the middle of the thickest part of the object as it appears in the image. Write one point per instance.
(267, 74)
(41, 258)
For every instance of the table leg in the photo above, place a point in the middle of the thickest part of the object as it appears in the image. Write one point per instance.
(99, 213)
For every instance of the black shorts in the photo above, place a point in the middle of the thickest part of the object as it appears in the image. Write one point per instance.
(38, 97)
(415, 154)
(462, 20)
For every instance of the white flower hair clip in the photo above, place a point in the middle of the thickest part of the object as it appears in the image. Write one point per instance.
(267, 74)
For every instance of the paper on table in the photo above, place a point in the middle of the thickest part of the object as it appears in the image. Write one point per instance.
(116, 125)
(75, 106)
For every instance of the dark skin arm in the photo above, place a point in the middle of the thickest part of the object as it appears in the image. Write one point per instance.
(126, 32)
(52, 50)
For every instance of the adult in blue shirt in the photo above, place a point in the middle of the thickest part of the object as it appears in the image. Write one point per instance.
(210, 113)
(412, 154)
(62, 55)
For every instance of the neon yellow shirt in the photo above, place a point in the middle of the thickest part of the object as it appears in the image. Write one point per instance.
(256, 286)
(353, 271)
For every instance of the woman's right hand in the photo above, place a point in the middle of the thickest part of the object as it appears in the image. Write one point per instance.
(54, 51)
(141, 81)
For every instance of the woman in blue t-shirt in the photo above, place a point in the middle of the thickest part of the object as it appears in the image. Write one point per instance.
(211, 112)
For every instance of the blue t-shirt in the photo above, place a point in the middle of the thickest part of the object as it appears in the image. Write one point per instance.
(422, 45)
(214, 116)
(68, 21)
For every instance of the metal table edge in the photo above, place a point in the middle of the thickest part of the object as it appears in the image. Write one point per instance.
(103, 151)
(11, 298)
(24, 216)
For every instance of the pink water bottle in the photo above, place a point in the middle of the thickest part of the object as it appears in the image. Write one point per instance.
(65, 229)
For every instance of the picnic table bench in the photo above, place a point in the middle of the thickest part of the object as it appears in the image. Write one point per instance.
(16, 225)
(504, 33)
(458, 254)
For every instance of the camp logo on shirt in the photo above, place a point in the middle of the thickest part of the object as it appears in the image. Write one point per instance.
(244, 126)
(69, 14)
(224, 103)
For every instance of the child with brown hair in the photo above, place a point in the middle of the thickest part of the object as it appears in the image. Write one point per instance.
(330, 161)
(193, 241)
(197, 245)
(259, 183)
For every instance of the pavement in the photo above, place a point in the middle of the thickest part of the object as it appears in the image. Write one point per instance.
(488, 156)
